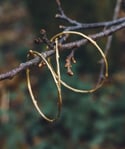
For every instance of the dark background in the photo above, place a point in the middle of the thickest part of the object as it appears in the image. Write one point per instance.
(93, 121)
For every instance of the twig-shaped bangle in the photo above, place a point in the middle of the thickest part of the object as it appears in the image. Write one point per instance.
(98, 85)
(57, 76)
(56, 80)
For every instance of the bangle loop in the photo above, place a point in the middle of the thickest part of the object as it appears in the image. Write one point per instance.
(57, 82)
(98, 85)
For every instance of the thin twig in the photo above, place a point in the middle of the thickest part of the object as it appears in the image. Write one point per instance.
(96, 36)
(109, 39)
(75, 25)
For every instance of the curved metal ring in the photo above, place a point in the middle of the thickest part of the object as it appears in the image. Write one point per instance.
(98, 85)
(31, 92)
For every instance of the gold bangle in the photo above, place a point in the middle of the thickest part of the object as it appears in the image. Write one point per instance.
(98, 85)
(57, 85)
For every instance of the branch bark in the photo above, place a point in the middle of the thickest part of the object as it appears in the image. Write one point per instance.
(111, 27)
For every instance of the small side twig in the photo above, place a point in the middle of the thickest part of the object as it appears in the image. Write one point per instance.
(75, 25)
(44, 39)
(69, 60)
(62, 15)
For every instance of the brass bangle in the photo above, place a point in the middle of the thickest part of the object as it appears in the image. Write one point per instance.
(98, 85)
(57, 85)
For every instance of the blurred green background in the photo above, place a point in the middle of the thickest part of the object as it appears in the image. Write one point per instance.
(88, 121)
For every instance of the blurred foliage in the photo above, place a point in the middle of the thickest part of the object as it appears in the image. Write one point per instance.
(88, 121)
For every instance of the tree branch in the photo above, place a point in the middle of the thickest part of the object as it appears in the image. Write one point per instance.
(75, 25)
(111, 27)
(23, 66)
(109, 39)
